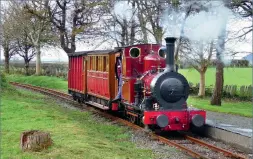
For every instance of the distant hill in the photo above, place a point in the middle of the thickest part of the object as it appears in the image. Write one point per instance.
(249, 58)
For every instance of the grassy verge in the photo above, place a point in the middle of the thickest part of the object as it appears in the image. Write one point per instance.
(43, 81)
(75, 134)
(230, 107)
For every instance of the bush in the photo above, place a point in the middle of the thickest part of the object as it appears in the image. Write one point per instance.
(3, 81)
(47, 69)
(229, 91)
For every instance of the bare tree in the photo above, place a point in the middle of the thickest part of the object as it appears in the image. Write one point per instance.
(71, 18)
(187, 8)
(133, 26)
(142, 20)
(218, 88)
(243, 8)
(198, 54)
(220, 47)
(8, 43)
(40, 32)
(120, 23)
(37, 31)
(150, 12)
(25, 49)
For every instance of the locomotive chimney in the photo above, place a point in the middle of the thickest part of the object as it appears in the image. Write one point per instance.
(170, 46)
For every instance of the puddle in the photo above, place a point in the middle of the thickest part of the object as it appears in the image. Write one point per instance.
(244, 130)
(225, 125)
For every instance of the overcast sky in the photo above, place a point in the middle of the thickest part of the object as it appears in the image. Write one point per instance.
(58, 54)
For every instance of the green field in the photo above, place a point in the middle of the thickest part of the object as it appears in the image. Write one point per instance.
(75, 134)
(232, 76)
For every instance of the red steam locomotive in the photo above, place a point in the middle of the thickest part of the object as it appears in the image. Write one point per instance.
(138, 82)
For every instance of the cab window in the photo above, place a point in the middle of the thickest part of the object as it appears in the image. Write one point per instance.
(134, 52)
(162, 52)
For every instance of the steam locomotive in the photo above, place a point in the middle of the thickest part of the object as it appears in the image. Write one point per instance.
(138, 82)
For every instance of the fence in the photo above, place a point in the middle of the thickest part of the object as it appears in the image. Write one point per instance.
(229, 91)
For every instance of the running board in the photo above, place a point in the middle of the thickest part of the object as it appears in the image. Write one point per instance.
(100, 106)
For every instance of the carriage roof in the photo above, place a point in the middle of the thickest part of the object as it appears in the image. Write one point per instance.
(95, 52)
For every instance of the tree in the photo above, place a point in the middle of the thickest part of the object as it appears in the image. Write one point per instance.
(36, 31)
(245, 9)
(39, 30)
(70, 18)
(8, 44)
(219, 78)
(198, 54)
(25, 50)
(149, 14)
(142, 20)
(188, 8)
(120, 23)
(196, 50)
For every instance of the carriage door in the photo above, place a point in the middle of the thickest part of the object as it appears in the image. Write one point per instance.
(84, 74)
(118, 73)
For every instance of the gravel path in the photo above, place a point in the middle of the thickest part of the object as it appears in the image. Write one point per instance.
(231, 122)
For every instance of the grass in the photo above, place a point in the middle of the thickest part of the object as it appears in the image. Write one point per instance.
(232, 76)
(43, 81)
(229, 107)
(75, 134)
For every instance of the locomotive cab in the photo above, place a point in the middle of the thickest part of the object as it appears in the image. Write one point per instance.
(153, 62)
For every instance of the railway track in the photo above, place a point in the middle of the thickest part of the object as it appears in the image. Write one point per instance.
(186, 144)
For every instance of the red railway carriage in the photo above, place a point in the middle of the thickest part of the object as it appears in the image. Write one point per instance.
(76, 74)
(139, 82)
(90, 78)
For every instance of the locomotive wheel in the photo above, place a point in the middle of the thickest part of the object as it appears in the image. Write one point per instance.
(132, 119)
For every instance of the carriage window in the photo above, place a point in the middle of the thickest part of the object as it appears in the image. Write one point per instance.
(91, 63)
(104, 63)
(100, 63)
(107, 64)
(96, 63)
(84, 62)
(134, 52)
(98, 69)
(88, 63)
(162, 52)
